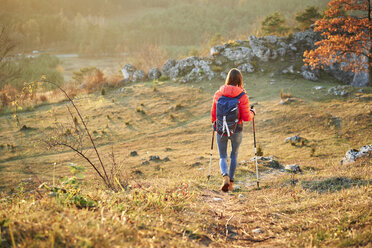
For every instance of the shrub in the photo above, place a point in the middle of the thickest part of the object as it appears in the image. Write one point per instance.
(43, 98)
(216, 68)
(103, 91)
(274, 24)
(307, 17)
(259, 150)
(284, 95)
(163, 78)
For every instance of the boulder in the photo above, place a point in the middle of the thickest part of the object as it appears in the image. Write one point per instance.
(138, 75)
(352, 155)
(294, 168)
(154, 73)
(308, 75)
(165, 70)
(296, 140)
(128, 71)
(281, 51)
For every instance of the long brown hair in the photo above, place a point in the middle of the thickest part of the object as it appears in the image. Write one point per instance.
(234, 78)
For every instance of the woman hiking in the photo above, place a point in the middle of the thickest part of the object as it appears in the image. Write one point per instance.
(230, 93)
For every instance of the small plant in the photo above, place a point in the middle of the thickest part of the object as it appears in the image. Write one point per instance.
(43, 98)
(216, 68)
(163, 78)
(69, 191)
(172, 116)
(312, 151)
(103, 91)
(154, 88)
(178, 106)
(284, 95)
(259, 150)
(141, 111)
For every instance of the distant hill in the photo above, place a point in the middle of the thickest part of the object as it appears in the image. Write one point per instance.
(113, 26)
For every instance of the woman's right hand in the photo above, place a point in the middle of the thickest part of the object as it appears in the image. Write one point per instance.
(253, 110)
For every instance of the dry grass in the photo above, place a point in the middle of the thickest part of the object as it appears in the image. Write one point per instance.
(170, 203)
(148, 57)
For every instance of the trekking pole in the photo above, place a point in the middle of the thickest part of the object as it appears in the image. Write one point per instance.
(210, 159)
(255, 150)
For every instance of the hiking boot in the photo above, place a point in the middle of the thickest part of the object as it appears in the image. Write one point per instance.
(231, 187)
(226, 183)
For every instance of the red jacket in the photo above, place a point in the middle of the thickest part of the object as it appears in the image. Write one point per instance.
(232, 91)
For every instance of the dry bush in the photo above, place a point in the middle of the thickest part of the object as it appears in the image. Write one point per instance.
(148, 57)
(7, 95)
(43, 98)
(94, 81)
(114, 80)
(284, 95)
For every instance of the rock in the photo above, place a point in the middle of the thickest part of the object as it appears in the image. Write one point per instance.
(281, 51)
(286, 101)
(340, 90)
(154, 73)
(241, 196)
(257, 231)
(133, 153)
(165, 70)
(296, 140)
(217, 199)
(272, 39)
(196, 164)
(145, 162)
(128, 71)
(308, 75)
(122, 90)
(291, 69)
(352, 155)
(293, 168)
(154, 158)
(166, 159)
(138, 75)
(318, 87)
(246, 67)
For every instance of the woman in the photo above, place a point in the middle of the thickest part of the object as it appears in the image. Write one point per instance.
(232, 88)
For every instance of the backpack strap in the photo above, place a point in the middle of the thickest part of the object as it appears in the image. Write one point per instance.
(240, 95)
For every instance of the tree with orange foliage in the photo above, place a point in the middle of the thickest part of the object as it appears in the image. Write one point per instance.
(346, 29)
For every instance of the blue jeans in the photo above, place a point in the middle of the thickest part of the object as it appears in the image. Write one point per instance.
(236, 140)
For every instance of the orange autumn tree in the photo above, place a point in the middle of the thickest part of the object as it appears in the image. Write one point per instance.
(346, 31)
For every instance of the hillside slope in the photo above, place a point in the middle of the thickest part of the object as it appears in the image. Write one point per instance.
(169, 202)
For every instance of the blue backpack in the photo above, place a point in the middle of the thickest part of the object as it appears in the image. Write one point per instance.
(227, 114)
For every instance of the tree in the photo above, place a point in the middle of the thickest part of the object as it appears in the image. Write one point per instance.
(274, 24)
(346, 31)
(307, 17)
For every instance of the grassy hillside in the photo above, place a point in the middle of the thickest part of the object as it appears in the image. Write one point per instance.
(168, 202)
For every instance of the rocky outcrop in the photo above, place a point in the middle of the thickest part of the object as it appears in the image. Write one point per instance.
(272, 54)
